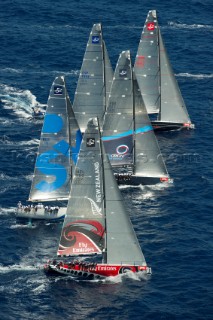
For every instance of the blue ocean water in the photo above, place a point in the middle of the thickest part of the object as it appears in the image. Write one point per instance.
(42, 39)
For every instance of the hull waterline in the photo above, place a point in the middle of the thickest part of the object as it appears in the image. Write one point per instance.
(41, 214)
(170, 126)
(92, 271)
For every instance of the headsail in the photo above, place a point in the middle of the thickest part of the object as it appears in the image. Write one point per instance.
(147, 64)
(173, 108)
(122, 244)
(118, 121)
(148, 158)
(90, 95)
(52, 175)
(83, 231)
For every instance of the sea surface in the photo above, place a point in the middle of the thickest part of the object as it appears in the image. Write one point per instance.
(42, 39)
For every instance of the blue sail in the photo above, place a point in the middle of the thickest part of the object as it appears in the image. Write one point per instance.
(58, 149)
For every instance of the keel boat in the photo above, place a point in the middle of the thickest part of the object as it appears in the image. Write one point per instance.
(97, 232)
(128, 136)
(57, 155)
(157, 82)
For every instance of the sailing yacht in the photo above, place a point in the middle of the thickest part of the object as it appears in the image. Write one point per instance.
(57, 155)
(157, 81)
(97, 225)
(94, 81)
(128, 135)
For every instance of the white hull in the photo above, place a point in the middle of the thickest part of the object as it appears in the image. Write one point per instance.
(41, 214)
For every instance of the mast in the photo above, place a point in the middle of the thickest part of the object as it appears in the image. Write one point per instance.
(104, 80)
(159, 64)
(104, 253)
(133, 98)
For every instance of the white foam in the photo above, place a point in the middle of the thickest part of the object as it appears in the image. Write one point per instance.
(12, 70)
(195, 76)
(23, 226)
(177, 25)
(17, 267)
(7, 211)
(20, 101)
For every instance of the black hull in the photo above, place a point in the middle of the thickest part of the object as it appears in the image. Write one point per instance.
(168, 126)
(137, 180)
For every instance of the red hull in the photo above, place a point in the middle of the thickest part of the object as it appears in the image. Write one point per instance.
(89, 271)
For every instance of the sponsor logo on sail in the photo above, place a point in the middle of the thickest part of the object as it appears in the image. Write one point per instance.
(58, 90)
(140, 61)
(150, 26)
(95, 39)
(122, 72)
(122, 149)
(90, 142)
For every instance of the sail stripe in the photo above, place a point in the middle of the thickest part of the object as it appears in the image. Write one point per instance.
(128, 133)
(144, 129)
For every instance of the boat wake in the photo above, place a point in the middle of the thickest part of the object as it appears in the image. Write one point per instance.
(139, 276)
(195, 76)
(24, 226)
(177, 25)
(7, 211)
(17, 267)
(20, 101)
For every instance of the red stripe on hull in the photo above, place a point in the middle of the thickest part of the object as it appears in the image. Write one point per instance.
(100, 270)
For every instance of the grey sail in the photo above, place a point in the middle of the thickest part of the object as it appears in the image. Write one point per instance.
(148, 158)
(122, 244)
(147, 64)
(118, 121)
(90, 95)
(127, 132)
(52, 175)
(173, 108)
(108, 73)
(95, 206)
(83, 231)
